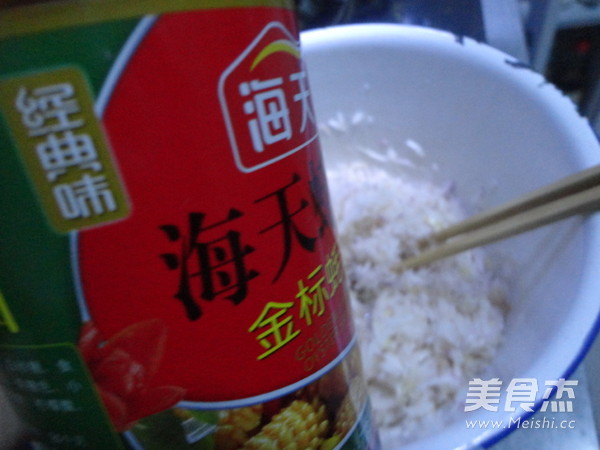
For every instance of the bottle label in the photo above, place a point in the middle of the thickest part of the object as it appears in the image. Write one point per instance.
(184, 286)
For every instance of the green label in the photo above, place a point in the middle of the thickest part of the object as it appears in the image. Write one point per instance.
(49, 386)
(51, 117)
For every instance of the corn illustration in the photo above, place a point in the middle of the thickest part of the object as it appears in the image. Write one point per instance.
(236, 425)
(301, 425)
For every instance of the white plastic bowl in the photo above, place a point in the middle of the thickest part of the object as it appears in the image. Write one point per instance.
(498, 130)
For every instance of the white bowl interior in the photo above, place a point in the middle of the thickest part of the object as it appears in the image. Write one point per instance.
(497, 130)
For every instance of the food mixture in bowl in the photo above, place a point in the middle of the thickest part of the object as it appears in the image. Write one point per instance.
(423, 333)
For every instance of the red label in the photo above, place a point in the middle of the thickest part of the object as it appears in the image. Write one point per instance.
(229, 245)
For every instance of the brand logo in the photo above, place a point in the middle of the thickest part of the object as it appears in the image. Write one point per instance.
(266, 102)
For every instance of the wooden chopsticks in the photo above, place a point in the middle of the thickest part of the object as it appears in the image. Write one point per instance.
(576, 194)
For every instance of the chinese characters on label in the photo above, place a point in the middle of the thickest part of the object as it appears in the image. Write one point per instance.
(29, 376)
(269, 114)
(273, 318)
(49, 381)
(266, 102)
(521, 393)
(275, 327)
(53, 123)
(210, 260)
(215, 264)
(210, 254)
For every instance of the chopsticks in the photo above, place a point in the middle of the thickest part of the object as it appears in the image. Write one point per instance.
(575, 194)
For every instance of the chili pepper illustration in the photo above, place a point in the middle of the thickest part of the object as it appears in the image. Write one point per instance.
(122, 368)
